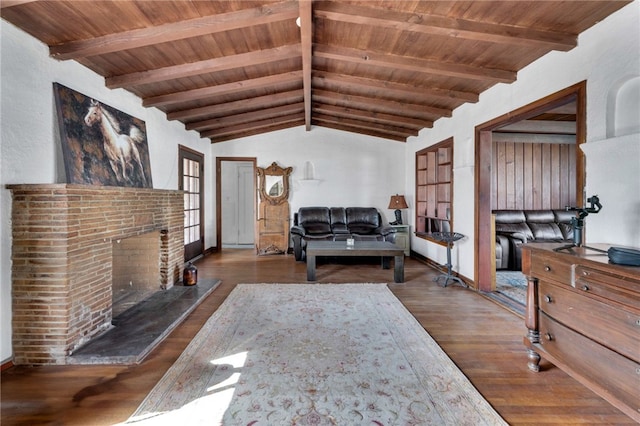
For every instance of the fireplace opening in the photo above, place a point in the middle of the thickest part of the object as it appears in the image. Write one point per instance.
(135, 270)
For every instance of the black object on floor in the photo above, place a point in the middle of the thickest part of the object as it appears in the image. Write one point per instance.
(139, 329)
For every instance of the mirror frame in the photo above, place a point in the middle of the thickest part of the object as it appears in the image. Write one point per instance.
(273, 170)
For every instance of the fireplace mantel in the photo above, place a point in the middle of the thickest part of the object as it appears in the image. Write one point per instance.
(61, 259)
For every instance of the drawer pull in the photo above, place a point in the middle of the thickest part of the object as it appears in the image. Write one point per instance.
(547, 268)
(548, 298)
(548, 336)
(585, 287)
(638, 321)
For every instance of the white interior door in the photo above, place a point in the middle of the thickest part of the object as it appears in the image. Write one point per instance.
(237, 203)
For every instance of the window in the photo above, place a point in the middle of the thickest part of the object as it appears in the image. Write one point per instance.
(434, 189)
(192, 179)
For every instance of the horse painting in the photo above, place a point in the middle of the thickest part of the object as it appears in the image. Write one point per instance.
(120, 148)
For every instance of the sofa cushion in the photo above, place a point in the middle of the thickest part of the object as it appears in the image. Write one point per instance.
(542, 225)
(546, 231)
(511, 222)
(362, 220)
(339, 220)
(315, 220)
(564, 219)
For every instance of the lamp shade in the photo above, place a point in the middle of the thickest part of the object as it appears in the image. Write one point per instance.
(398, 202)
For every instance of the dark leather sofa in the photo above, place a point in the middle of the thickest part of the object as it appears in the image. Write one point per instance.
(517, 227)
(337, 224)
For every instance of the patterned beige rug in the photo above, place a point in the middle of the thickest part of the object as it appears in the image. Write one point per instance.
(314, 354)
(512, 284)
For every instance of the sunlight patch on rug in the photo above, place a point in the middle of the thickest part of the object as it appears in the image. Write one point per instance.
(314, 354)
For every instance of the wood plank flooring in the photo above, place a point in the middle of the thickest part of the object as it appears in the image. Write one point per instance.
(481, 337)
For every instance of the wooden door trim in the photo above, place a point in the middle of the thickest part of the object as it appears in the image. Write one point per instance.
(219, 161)
(483, 149)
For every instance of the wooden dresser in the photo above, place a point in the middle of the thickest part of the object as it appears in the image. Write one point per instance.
(583, 315)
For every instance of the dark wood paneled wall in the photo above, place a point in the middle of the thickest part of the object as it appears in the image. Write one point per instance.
(533, 176)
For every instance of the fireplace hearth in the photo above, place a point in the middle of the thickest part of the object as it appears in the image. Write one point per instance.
(62, 260)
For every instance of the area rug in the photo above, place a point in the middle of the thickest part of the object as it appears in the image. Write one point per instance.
(512, 284)
(314, 354)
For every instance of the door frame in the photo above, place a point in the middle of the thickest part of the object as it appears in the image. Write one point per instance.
(219, 161)
(484, 149)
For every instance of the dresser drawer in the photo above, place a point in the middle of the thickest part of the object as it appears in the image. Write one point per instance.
(625, 290)
(614, 375)
(614, 326)
(550, 269)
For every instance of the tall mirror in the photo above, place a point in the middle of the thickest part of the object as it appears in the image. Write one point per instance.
(272, 223)
(273, 183)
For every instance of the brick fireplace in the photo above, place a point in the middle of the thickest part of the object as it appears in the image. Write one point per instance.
(63, 239)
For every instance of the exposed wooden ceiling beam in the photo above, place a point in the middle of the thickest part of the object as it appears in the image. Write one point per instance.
(533, 138)
(393, 130)
(9, 3)
(175, 31)
(258, 125)
(381, 105)
(257, 131)
(373, 117)
(392, 89)
(413, 64)
(202, 67)
(446, 27)
(231, 120)
(541, 126)
(345, 128)
(238, 106)
(306, 32)
(221, 89)
(367, 104)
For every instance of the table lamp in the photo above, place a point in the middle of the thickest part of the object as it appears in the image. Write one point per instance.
(398, 202)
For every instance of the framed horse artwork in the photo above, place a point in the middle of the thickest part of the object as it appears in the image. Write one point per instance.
(101, 145)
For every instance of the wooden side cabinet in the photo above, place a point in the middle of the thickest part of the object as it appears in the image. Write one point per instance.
(403, 238)
(583, 315)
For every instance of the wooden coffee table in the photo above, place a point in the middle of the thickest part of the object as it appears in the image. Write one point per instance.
(383, 249)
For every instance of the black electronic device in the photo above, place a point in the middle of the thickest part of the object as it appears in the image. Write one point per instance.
(577, 223)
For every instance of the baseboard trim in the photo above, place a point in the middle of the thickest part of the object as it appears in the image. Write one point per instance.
(429, 262)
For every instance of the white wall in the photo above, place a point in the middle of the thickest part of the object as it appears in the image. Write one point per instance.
(29, 147)
(606, 54)
(351, 169)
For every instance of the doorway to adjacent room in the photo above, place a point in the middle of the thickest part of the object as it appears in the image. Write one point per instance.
(235, 202)
(530, 120)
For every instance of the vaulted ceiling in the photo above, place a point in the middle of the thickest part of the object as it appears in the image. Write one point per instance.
(234, 68)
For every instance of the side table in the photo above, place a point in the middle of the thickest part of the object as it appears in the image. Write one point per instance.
(449, 238)
(403, 237)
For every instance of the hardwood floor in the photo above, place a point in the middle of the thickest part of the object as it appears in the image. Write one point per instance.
(493, 357)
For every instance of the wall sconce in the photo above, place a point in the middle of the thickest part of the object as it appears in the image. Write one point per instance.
(398, 202)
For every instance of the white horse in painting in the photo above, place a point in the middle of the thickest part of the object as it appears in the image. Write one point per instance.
(120, 148)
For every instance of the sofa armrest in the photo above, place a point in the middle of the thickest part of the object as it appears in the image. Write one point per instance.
(298, 230)
(503, 251)
(385, 230)
(517, 237)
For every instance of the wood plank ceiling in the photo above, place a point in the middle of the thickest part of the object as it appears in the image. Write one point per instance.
(234, 68)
